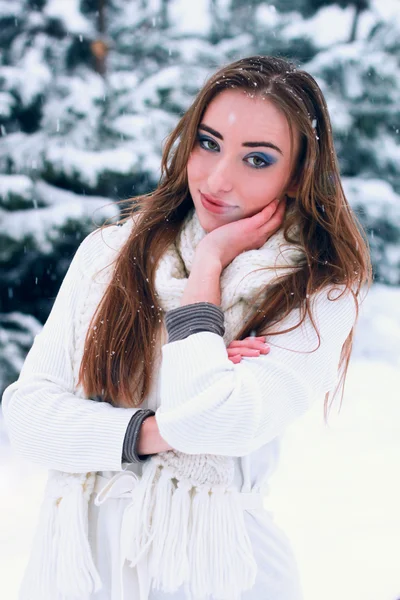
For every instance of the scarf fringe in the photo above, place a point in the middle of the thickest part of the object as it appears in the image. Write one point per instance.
(221, 563)
(76, 572)
(62, 562)
(137, 517)
(176, 545)
(38, 580)
(199, 525)
(196, 536)
(161, 526)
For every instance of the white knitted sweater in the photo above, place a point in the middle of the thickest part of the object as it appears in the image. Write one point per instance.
(50, 422)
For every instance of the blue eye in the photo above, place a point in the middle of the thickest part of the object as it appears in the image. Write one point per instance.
(207, 143)
(260, 161)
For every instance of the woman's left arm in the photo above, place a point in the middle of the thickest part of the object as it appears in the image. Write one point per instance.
(210, 405)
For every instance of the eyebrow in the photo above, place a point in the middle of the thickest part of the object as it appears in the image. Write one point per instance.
(246, 144)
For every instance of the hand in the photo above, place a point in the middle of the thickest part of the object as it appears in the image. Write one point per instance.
(250, 346)
(149, 439)
(224, 243)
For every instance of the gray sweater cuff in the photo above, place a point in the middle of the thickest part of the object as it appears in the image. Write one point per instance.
(193, 318)
(129, 453)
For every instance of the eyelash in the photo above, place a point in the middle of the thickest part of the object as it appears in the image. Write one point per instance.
(267, 163)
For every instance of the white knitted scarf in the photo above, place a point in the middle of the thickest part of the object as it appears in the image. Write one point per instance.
(185, 515)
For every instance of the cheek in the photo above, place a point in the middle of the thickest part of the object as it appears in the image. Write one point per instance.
(193, 167)
(196, 167)
(260, 191)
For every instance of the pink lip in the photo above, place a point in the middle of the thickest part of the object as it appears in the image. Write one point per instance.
(214, 206)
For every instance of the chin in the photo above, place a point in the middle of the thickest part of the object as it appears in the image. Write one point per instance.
(206, 221)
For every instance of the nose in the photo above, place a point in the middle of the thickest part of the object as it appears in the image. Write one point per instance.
(220, 178)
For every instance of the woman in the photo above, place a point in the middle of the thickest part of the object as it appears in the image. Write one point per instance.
(156, 491)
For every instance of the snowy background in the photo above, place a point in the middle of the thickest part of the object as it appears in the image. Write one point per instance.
(88, 91)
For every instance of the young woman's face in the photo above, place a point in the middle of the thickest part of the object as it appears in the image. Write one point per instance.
(242, 159)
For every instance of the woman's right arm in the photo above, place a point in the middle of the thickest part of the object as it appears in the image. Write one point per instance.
(46, 422)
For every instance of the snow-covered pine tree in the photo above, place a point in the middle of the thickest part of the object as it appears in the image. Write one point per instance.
(51, 99)
(308, 8)
(362, 86)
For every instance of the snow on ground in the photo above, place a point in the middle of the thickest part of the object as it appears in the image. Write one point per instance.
(335, 493)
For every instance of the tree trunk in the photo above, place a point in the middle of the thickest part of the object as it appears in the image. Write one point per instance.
(356, 19)
(215, 22)
(164, 21)
(101, 52)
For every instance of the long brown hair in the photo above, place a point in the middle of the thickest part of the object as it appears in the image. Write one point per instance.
(334, 244)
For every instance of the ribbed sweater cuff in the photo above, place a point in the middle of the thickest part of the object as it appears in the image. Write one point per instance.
(129, 453)
(193, 318)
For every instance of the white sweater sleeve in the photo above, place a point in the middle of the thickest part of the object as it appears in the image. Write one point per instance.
(210, 405)
(48, 424)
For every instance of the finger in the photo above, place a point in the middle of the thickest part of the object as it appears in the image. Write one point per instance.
(245, 352)
(242, 351)
(249, 342)
(277, 218)
(278, 207)
(266, 213)
(262, 349)
(235, 359)
(261, 338)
